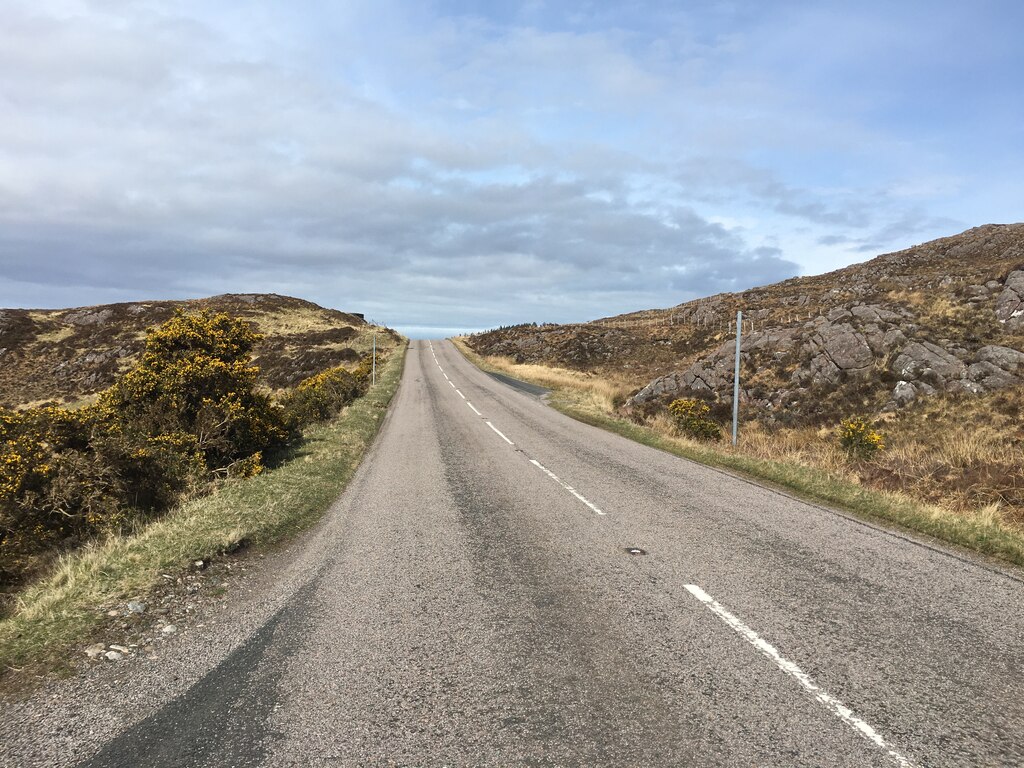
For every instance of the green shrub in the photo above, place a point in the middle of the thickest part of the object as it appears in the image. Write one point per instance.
(859, 438)
(186, 413)
(323, 396)
(691, 418)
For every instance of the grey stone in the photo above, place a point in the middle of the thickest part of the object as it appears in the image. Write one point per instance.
(875, 339)
(894, 338)
(904, 393)
(919, 360)
(775, 339)
(874, 313)
(170, 629)
(845, 348)
(1005, 357)
(134, 606)
(1010, 304)
(113, 656)
(964, 386)
(991, 376)
(89, 316)
(95, 651)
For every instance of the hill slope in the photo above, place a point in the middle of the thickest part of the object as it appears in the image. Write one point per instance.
(927, 343)
(66, 355)
(945, 316)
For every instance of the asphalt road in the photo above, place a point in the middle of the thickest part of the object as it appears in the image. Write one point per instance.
(503, 586)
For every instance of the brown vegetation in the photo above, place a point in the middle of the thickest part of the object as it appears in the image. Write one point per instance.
(67, 356)
(188, 413)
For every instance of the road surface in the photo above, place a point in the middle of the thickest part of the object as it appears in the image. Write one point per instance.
(503, 586)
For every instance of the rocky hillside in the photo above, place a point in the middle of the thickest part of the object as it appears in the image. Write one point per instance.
(945, 317)
(65, 355)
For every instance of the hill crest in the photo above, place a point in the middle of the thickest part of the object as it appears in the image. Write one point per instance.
(67, 355)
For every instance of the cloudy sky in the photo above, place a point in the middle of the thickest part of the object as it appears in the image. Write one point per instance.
(468, 164)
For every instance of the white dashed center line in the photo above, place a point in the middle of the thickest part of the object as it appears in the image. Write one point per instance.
(500, 434)
(498, 431)
(565, 485)
(767, 649)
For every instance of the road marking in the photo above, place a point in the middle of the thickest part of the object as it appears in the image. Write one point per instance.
(474, 409)
(451, 382)
(767, 649)
(565, 485)
(461, 395)
(497, 430)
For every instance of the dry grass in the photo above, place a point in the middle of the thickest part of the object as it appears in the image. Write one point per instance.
(604, 393)
(57, 335)
(293, 320)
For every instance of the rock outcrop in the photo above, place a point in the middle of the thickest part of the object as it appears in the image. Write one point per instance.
(850, 343)
(1010, 304)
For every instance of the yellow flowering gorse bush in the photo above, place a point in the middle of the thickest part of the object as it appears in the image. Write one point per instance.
(859, 438)
(187, 412)
(692, 419)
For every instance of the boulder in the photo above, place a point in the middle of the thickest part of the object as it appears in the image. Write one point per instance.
(904, 393)
(893, 339)
(991, 376)
(1010, 304)
(875, 313)
(89, 316)
(875, 339)
(845, 348)
(925, 360)
(772, 339)
(712, 373)
(965, 387)
(1004, 357)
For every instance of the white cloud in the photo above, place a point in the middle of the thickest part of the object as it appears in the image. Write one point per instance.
(435, 168)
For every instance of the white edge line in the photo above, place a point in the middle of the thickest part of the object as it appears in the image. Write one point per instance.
(451, 382)
(460, 394)
(767, 649)
(499, 432)
(474, 409)
(567, 487)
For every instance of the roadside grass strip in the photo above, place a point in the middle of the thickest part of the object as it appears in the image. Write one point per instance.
(59, 612)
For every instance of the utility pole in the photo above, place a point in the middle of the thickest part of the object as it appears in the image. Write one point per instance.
(736, 378)
(373, 379)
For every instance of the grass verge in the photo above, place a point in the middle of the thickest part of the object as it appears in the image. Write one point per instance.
(573, 395)
(61, 610)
